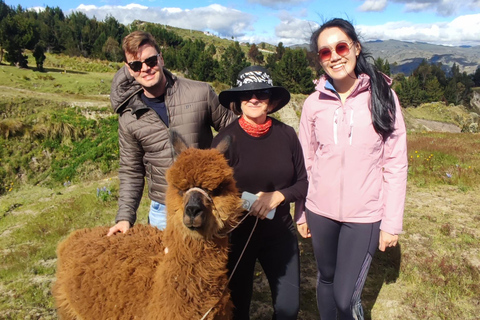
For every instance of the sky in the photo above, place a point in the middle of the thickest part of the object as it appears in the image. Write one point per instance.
(443, 22)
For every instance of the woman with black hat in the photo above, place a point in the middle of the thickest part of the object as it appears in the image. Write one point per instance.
(268, 162)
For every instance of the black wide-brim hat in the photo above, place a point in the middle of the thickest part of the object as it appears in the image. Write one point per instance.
(255, 78)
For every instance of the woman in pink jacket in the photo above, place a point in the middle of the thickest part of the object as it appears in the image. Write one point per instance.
(354, 143)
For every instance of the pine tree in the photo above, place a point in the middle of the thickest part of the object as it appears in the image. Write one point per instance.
(233, 60)
(39, 55)
(293, 73)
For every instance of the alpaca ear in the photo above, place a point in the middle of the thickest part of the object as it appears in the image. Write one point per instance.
(178, 142)
(224, 144)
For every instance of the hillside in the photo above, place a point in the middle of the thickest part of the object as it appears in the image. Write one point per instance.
(406, 56)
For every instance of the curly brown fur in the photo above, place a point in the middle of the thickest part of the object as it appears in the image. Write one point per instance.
(128, 276)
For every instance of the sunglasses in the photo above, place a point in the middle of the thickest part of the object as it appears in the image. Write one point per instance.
(150, 62)
(342, 48)
(260, 94)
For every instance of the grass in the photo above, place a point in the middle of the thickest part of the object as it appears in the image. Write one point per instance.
(56, 81)
(434, 273)
(438, 111)
(444, 158)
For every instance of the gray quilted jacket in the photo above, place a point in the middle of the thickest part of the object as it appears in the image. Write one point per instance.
(145, 149)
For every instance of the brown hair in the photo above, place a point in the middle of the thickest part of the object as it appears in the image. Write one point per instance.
(236, 105)
(135, 40)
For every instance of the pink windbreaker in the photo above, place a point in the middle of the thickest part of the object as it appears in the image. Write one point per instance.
(353, 175)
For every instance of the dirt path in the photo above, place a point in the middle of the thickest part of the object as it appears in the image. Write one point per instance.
(438, 126)
(83, 101)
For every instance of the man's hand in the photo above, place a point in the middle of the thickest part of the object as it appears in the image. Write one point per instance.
(121, 226)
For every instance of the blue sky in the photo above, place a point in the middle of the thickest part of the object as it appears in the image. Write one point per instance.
(446, 22)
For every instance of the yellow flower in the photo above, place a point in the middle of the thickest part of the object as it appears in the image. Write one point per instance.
(416, 151)
(418, 156)
(10, 189)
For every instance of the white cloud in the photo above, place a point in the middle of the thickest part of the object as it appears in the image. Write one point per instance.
(292, 30)
(444, 8)
(222, 20)
(417, 7)
(460, 31)
(373, 5)
(278, 3)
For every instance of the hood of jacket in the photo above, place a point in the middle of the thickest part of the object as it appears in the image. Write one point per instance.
(362, 84)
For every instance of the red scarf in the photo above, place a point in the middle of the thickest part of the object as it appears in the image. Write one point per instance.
(255, 130)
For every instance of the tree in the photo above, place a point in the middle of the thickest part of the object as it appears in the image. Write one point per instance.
(280, 51)
(382, 66)
(293, 72)
(204, 67)
(255, 54)
(39, 55)
(73, 37)
(232, 61)
(439, 73)
(271, 62)
(476, 77)
(433, 90)
(112, 50)
(51, 24)
(422, 73)
(4, 12)
(409, 92)
(18, 33)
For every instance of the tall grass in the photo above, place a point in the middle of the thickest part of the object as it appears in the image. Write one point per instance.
(47, 142)
(444, 158)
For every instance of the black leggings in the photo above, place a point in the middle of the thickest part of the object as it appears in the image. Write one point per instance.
(343, 252)
(279, 257)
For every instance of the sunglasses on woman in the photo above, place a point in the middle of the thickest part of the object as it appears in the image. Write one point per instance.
(260, 94)
(342, 48)
(150, 62)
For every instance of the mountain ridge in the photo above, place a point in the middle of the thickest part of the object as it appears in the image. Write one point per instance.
(405, 56)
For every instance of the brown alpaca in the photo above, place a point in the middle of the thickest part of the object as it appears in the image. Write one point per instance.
(129, 276)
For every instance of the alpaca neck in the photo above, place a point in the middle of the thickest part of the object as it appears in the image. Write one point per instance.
(193, 273)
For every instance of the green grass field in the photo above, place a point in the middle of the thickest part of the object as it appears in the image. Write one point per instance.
(434, 273)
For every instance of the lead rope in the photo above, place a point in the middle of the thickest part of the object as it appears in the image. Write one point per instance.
(238, 261)
(204, 193)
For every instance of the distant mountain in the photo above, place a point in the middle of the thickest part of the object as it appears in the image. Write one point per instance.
(406, 56)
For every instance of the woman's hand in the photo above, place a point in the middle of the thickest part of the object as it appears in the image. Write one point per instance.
(266, 202)
(387, 240)
(304, 230)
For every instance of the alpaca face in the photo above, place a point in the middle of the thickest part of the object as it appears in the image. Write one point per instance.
(202, 196)
(196, 202)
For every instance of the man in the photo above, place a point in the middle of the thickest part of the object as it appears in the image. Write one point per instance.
(150, 101)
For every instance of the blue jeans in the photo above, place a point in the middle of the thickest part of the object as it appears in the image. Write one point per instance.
(157, 216)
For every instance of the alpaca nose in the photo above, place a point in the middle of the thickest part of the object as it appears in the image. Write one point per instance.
(194, 211)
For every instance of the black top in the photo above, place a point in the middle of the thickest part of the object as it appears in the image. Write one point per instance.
(157, 104)
(273, 162)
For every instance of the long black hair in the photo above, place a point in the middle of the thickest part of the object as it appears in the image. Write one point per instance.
(382, 104)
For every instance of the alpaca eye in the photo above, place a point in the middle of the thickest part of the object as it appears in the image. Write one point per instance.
(218, 190)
